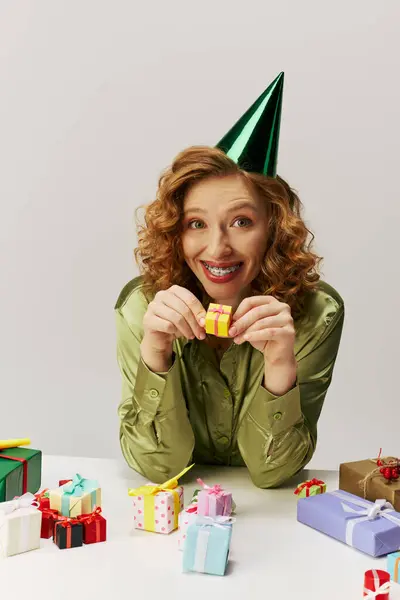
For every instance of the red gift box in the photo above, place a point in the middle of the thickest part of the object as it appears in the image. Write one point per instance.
(94, 527)
(376, 580)
(44, 501)
(49, 518)
(63, 482)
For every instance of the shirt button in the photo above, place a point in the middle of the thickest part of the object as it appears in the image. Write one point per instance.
(278, 416)
(154, 393)
(224, 440)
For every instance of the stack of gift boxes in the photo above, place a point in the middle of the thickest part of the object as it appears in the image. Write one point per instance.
(204, 526)
(363, 513)
(70, 514)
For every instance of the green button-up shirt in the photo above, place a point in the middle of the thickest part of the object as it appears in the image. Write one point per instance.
(220, 413)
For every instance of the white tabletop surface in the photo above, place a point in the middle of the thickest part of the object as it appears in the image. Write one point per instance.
(272, 556)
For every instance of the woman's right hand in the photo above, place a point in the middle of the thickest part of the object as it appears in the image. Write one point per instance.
(173, 313)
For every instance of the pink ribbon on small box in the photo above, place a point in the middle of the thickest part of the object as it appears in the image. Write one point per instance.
(220, 494)
(220, 311)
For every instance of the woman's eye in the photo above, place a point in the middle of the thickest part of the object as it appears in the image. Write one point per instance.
(243, 222)
(196, 224)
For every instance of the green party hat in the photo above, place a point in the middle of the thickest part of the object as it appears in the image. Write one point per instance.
(253, 141)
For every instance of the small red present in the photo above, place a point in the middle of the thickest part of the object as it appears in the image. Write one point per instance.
(94, 527)
(375, 581)
(63, 482)
(43, 499)
(49, 518)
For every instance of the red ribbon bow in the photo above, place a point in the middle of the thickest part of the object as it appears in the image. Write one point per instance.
(309, 484)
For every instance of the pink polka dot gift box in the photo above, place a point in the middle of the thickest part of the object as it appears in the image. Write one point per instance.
(156, 507)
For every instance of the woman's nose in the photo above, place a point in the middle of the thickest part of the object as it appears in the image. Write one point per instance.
(219, 244)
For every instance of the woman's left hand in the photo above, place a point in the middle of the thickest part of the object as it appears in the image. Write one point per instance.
(267, 325)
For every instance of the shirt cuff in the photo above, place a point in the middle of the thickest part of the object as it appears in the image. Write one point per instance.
(155, 392)
(276, 413)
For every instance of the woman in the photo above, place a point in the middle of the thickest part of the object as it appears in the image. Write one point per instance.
(224, 228)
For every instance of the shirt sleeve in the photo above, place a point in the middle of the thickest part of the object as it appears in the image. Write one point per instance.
(278, 435)
(155, 433)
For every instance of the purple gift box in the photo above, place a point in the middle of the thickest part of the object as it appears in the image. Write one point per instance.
(213, 501)
(373, 528)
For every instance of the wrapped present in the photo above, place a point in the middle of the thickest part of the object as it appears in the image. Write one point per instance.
(206, 548)
(94, 527)
(79, 496)
(393, 566)
(312, 487)
(156, 507)
(372, 479)
(186, 517)
(213, 501)
(218, 320)
(68, 533)
(376, 585)
(371, 528)
(20, 472)
(43, 498)
(194, 500)
(20, 523)
(49, 518)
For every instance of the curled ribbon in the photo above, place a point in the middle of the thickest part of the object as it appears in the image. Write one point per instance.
(309, 484)
(150, 491)
(219, 310)
(215, 489)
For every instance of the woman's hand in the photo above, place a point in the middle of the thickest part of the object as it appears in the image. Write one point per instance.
(173, 313)
(266, 324)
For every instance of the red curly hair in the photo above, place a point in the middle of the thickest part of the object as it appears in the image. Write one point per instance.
(289, 269)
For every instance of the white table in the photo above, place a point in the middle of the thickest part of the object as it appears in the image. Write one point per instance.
(272, 556)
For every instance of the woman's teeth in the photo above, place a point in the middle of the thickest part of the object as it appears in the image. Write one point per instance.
(220, 272)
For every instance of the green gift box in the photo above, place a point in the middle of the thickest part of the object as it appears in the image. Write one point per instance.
(20, 472)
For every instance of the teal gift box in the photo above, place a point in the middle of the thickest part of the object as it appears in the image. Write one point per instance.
(206, 549)
(393, 566)
(77, 497)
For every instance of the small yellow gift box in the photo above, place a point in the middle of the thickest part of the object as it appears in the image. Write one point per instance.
(218, 320)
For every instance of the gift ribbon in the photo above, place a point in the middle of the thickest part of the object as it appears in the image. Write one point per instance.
(77, 487)
(66, 523)
(90, 518)
(307, 485)
(24, 469)
(379, 589)
(380, 508)
(203, 538)
(149, 492)
(219, 310)
(42, 495)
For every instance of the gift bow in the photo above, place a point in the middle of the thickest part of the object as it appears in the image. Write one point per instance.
(79, 486)
(381, 508)
(309, 484)
(89, 518)
(43, 494)
(383, 589)
(24, 501)
(218, 521)
(152, 490)
(215, 489)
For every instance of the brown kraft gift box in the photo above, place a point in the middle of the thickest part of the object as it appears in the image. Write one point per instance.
(353, 478)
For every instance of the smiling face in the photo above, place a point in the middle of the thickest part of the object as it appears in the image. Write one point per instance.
(224, 236)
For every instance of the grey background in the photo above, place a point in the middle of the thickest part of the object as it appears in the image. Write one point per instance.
(96, 97)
